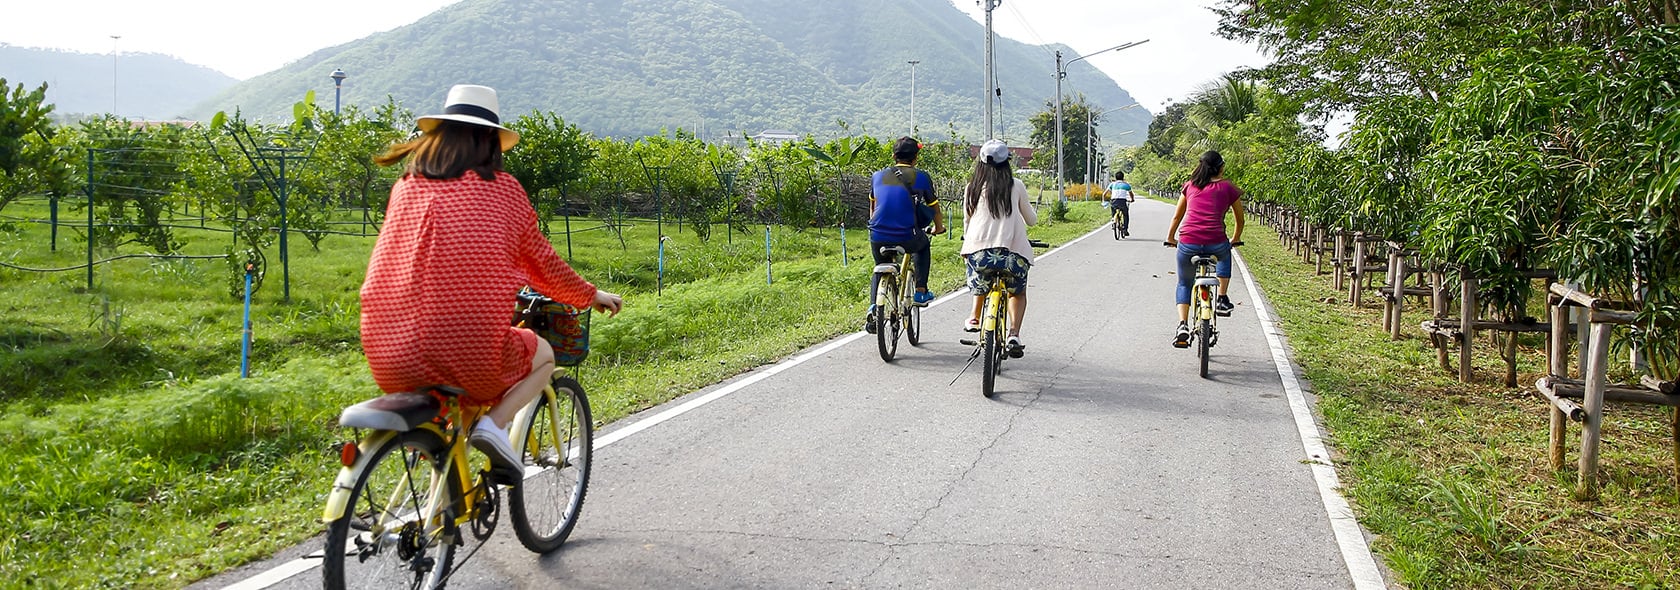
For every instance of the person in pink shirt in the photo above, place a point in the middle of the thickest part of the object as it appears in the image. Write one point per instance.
(1198, 227)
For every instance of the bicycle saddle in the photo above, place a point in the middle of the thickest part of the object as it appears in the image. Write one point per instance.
(396, 411)
(1204, 259)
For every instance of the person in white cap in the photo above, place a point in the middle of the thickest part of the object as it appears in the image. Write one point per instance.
(460, 239)
(995, 239)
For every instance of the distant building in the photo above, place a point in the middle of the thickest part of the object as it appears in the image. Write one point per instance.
(776, 136)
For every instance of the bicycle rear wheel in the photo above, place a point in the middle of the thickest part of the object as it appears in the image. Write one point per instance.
(556, 452)
(886, 317)
(1203, 337)
(380, 541)
(1116, 222)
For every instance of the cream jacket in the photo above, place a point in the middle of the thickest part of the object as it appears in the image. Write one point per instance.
(982, 231)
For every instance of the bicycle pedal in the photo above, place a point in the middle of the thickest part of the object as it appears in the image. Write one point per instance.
(504, 477)
(968, 342)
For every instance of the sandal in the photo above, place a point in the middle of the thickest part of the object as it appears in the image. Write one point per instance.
(973, 325)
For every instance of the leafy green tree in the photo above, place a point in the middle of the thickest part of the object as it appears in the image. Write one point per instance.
(1075, 139)
(29, 160)
(551, 161)
(341, 163)
(134, 170)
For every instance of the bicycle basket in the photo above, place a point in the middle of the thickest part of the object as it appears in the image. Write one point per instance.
(566, 328)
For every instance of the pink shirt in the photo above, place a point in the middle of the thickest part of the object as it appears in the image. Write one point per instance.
(1204, 212)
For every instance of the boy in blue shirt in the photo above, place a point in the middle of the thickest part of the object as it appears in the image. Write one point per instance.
(1119, 200)
(902, 204)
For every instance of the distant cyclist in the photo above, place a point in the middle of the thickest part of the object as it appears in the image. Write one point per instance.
(1198, 228)
(1119, 201)
(902, 205)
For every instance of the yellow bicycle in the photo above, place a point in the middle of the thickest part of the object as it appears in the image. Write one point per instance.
(992, 345)
(896, 310)
(408, 490)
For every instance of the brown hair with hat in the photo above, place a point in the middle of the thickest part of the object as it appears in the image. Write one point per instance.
(468, 135)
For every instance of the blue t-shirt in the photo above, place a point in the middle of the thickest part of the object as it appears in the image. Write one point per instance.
(895, 193)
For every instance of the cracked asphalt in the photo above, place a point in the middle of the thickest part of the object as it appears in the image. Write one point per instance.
(1103, 462)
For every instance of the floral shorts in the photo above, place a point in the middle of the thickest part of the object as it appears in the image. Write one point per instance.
(998, 262)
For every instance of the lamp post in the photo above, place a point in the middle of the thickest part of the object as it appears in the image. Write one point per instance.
(1061, 72)
(913, 63)
(1091, 140)
(114, 54)
(338, 85)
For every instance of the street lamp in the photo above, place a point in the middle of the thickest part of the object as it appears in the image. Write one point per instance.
(913, 63)
(1091, 141)
(1061, 72)
(114, 54)
(338, 84)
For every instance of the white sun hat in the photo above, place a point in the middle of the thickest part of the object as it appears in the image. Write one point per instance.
(995, 152)
(474, 105)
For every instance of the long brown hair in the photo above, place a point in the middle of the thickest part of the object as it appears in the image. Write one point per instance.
(449, 150)
(995, 184)
(1211, 164)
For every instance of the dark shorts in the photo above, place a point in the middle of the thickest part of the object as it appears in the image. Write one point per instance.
(997, 262)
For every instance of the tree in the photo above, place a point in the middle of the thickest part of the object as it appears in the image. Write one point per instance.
(29, 162)
(1075, 139)
(551, 161)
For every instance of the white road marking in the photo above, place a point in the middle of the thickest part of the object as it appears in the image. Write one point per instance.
(1362, 566)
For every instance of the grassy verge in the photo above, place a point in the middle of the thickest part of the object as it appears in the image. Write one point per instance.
(140, 459)
(1452, 478)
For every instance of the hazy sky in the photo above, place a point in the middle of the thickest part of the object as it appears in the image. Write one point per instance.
(1181, 54)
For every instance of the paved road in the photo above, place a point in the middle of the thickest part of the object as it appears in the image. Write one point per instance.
(1102, 462)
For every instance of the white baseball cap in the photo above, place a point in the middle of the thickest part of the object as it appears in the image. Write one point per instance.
(995, 152)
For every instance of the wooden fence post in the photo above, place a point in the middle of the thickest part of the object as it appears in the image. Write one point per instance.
(1358, 275)
(1466, 325)
(1598, 354)
(1338, 264)
(1559, 361)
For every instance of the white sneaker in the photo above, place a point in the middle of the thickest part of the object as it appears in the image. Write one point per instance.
(494, 443)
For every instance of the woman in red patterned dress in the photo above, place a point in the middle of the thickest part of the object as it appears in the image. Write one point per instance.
(460, 239)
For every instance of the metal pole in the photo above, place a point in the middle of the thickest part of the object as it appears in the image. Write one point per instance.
(1062, 73)
(90, 219)
(338, 83)
(1060, 194)
(285, 261)
(245, 339)
(913, 63)
(52, 212)
(769, 277)
(990, 84)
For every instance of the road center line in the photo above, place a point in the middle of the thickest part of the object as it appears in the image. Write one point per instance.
(1362, 566)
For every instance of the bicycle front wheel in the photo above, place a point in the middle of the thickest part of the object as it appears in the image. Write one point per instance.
(556, 452)
(382, 540)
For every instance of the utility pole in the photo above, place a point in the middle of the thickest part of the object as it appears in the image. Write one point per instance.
(990, 84)
(913, 63)
(1061, 72)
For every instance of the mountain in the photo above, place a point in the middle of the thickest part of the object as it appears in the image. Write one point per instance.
(633, 67)
(148, 85)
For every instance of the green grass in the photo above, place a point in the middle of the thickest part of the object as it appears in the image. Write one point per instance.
(138, 458)
(1452, 479)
